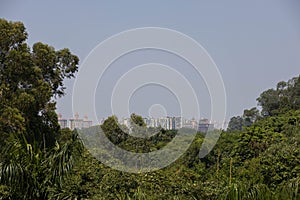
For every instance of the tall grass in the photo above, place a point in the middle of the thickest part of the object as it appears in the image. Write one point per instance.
(288, 191)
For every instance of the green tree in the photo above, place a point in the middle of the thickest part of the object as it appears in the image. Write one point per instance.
(235, 124)
(285, 97)
(269, 101)
(114, 131)
(137, 120)
(250, 116)
(294, 88)
(30, 82)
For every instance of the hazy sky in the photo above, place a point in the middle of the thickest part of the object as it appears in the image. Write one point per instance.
(255, 44)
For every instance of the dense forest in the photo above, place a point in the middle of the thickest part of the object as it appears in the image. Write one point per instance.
(257, 157)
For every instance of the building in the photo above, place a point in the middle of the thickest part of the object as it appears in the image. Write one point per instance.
(62, 122)
(190, 123)
(170, 123)
(178, 122)
(162, 122)
(205, 125)
(76, 122)
(86, 122)
(174, 123)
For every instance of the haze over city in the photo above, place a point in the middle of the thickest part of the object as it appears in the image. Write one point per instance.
(252, 51)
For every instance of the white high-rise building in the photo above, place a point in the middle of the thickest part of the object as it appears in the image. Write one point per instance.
(62, 122)
(76, 122)
(86, 122)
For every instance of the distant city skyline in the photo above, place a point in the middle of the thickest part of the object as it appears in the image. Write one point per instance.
(162, 121)
(75, 122)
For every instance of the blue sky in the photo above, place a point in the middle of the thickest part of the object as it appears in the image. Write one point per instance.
(254, 43)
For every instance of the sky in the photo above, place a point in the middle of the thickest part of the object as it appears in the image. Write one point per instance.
(254, 44)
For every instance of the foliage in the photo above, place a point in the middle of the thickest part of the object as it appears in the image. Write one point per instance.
(249, 117)
(285, 97)
(259, 161)
(258, 157)
(32, 158)
(235, 124)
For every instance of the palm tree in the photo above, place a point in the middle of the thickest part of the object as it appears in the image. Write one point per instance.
(30, 172)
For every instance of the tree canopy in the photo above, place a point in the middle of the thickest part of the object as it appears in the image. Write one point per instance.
(30, 82)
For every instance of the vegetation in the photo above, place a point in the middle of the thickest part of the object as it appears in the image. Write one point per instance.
(32, 160)
(257, 157)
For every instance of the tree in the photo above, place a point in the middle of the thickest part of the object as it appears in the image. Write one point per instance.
(250, 116)
(235, 124)
(30, 173)
(137, 120)
(113, 130)
(285, 97)
(269, 101)
(295, 92)
(30, 83)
